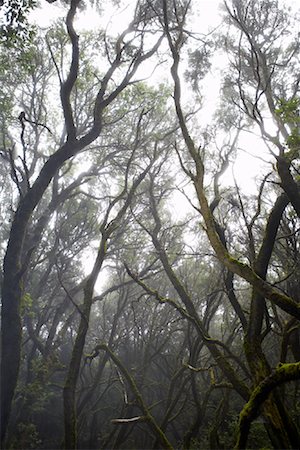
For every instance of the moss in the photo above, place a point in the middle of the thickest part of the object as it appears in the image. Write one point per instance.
(283, 373)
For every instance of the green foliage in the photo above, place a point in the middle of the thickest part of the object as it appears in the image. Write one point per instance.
(199, 65)
(37, 394)
(17, 36)
(258, 436)
(26, 304)
(16, 30)
(289, 112)
(27, 437)
(293, 140)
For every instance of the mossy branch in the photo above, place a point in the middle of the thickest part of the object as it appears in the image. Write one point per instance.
(282, 374)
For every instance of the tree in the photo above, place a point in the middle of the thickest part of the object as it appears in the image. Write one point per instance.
(15, 261)
(256, 273)
(131, 320)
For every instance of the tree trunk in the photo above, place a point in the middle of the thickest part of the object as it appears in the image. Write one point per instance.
(12, 287)
(260, 370)
(11, 348)
(69, 393)
(70, 416)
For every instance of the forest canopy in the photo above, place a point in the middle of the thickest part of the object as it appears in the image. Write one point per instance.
(150, 212)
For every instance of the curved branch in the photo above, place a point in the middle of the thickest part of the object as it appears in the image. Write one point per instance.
(264, 288)
(283, 373)
(67, 86)
(191, 315)
(288, 184)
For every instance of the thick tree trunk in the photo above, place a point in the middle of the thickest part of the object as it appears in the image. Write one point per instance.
(260, 370)
(261, 396)
(12, 287)
(11, 348)
(277, 423)
(288, 183)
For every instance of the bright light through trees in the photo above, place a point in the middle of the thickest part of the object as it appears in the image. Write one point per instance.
(150, 212)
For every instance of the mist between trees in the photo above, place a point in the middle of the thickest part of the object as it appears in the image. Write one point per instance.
(191, 337)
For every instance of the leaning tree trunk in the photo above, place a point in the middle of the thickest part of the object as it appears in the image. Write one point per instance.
(279, 426)
(12, 287)
(13, 274)
(69, 394)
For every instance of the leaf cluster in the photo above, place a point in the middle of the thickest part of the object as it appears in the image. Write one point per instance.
(16, 31)
(289, 112)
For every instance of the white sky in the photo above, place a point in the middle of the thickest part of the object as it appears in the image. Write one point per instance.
(208, 13)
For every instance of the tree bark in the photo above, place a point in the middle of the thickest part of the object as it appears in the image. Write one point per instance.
(12, 287)
(277, 420)
(282, 374)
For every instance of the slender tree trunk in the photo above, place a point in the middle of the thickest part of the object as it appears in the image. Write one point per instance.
(69, 393)
(70, 415)
(150, 420)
